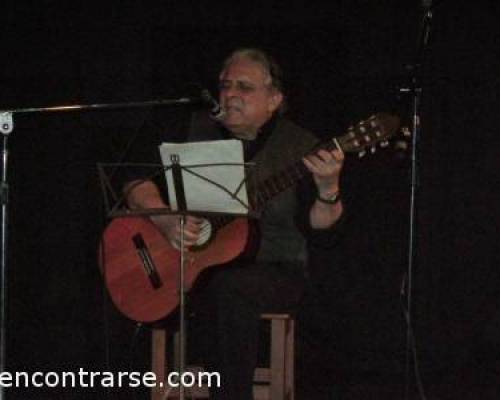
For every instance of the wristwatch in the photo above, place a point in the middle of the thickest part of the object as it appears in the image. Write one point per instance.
(331, 199)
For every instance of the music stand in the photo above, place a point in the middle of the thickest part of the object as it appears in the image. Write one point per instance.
(145, 267)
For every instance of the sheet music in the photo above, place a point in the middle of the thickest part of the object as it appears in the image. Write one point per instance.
(213, 173)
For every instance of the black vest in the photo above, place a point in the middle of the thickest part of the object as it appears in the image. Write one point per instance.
(286, 143)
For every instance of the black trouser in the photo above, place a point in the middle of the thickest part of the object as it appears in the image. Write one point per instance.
(228, 308)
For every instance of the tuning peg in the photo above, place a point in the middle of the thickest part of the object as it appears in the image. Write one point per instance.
(384, 143)
(373, 149)
(406, 131)
(361, 154)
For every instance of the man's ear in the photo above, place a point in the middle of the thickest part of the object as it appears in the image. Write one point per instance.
(275, 101)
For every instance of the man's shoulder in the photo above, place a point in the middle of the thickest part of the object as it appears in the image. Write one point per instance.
(294, 133)
(287, 123)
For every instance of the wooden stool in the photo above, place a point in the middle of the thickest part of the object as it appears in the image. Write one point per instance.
(273, 383)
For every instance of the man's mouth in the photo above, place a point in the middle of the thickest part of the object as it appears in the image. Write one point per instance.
(234, 105)
(233, 109)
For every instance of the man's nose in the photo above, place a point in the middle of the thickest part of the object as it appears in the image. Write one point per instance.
(227, 93)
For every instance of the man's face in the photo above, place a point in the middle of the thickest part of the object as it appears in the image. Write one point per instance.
(247, 97)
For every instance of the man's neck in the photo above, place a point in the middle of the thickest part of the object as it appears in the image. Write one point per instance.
(251, 134)
(246, 135)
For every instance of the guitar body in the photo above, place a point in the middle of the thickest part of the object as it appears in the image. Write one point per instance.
(141, 268)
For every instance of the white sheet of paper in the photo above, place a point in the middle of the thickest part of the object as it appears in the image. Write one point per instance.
(207, 160)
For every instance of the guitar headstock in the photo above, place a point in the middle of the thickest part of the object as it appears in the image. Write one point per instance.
(367, 134)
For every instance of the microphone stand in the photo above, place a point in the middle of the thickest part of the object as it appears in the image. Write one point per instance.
(416, 91)
(6, 127)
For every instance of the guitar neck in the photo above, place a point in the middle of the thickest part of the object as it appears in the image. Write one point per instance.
(286, 178)
(365, 134)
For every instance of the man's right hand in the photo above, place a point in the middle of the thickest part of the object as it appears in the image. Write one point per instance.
(144, 195)
(170, 227)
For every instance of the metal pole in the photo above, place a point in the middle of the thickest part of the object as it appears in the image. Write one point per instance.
(6, 126)
(416, 89)
(182, 315)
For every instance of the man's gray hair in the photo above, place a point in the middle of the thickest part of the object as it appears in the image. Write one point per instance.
(268, 63)
(262, 58)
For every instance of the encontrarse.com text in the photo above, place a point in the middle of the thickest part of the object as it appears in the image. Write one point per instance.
(92, 379)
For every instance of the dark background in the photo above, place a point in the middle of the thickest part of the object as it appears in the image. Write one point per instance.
(343, 61)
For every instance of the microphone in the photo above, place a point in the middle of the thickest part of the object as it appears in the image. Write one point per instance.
(216, 111)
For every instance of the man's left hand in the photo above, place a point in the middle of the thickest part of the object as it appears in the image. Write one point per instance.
(325, 166)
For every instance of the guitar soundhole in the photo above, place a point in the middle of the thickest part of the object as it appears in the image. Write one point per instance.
(147, 261)
(206, 234)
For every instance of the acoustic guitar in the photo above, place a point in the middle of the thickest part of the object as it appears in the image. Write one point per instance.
(141, 267)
